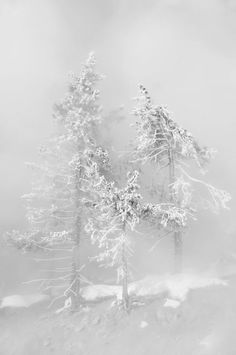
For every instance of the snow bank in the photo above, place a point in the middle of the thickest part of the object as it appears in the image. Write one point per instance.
(175, 286)
(22, 301)
(94, 292)
(143, 324)
(171, 303)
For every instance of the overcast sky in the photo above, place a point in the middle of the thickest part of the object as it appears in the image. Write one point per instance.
(182, 50)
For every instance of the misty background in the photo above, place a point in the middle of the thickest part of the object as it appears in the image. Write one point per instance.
(183, 51)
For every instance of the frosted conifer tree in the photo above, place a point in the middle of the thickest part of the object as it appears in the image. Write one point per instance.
(173, 151)
(56, 210)
(118, 211)
(79, 113)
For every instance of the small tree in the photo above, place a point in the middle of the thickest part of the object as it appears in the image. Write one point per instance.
(172, 150)
(118, 211)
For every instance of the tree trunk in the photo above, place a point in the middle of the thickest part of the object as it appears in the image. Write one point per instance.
(75, 280)
(75, 284)
(125, 294)
(178, 239)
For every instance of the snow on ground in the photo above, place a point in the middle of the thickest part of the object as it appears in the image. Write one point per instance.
(95, 292)
(143, 324)
(22, 301)
(171, 303)
(203, 324)
(176, 287)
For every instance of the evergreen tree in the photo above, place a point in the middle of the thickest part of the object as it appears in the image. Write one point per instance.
(55, 207)
(173, 150)
(79, 114)
(118, 211)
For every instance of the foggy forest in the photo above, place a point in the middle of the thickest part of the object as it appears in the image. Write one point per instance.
(117, 177)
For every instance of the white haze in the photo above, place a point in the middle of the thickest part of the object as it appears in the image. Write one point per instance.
(183, 51)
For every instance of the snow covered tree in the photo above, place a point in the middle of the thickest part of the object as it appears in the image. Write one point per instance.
(56, 211)
(79, 113)
(117, 212)
(173, 151)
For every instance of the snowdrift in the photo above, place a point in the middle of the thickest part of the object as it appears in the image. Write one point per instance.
(96, 292)
(22, 301)
(174, 286)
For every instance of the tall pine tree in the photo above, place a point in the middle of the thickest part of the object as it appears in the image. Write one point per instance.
(55, 208)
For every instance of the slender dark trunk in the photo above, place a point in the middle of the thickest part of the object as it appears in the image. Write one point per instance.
(125, 293)
(178, 240)
(75, 280)
(75, 277)
(177, 235)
